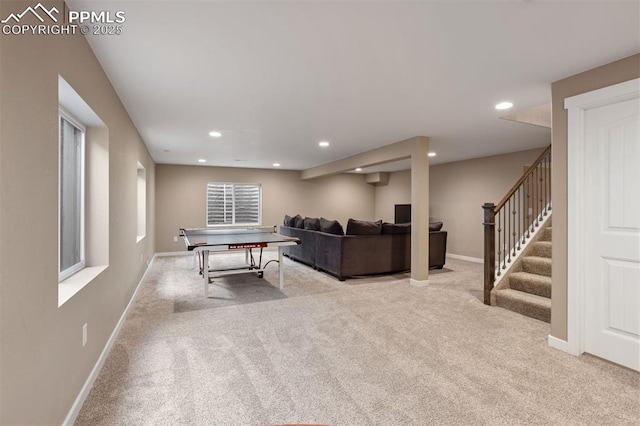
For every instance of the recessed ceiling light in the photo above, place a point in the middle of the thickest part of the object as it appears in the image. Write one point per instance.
(276, 164)
(202, 160)
(215, 134)
(504, 105)
(358, 169)
(432, 154)
(324, 144)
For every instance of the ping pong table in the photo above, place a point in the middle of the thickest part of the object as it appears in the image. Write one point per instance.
(202, 241)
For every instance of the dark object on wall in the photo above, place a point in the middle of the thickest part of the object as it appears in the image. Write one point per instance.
(402, 213)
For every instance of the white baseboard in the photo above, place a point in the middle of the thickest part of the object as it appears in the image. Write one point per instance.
(84, 392)
(418, 283)
(174, 253)
(556, 343)
(467, 258)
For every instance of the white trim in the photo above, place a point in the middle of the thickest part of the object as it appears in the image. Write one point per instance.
(84, 392)
(605, 96)
(173, 253)
(575, 222)
(418, 283)
(576, 106)
(76, 282)
(556, 343)
(467, 258)
(62, 112)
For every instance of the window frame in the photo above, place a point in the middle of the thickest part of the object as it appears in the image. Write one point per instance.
(65, 115)
(233, 220)
(141, 202)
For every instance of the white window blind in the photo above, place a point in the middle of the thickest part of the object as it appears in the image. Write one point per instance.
(233, 204)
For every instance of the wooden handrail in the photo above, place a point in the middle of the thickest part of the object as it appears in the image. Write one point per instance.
(508, 224)
(524, 177)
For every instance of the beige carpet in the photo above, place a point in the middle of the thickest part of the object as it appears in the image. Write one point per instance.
(368, 351)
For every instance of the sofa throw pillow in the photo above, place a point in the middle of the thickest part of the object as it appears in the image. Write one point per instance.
(287, 220)
(298, 221)
(363, 227)
(396, 228)
(331, 226)
(312, 223)
(435, 226)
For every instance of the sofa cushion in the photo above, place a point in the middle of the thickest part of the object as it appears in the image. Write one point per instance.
(435, 226)
(331, 226)
(288, 221)
(312, 223)
(396, 228)
(298, 222)
(363, 227)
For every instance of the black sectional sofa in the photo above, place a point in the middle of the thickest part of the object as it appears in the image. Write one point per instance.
(366, 248)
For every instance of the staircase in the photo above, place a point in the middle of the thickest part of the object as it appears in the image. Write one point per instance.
(526, 288)
(517, 244)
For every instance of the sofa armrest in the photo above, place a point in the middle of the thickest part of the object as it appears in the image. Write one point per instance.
(437, 249)
(329, 253)
(304, 252)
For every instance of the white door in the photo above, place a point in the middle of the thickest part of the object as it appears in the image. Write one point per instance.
(612, 232)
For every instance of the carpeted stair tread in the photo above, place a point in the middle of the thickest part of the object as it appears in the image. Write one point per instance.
(542, 249)
(524, 303)
(539, 285)
(545, 234)
(537, 265)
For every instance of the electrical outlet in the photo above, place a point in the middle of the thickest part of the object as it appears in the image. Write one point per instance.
(84, 335)
(175, 239)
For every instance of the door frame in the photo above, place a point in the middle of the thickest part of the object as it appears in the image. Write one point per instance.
(576, 107)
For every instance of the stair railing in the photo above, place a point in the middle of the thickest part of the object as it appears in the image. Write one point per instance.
(517, 215)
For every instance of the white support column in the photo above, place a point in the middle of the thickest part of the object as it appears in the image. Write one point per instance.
(420, 213)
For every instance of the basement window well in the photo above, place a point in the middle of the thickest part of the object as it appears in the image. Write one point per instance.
(83, 193)
(141, 183)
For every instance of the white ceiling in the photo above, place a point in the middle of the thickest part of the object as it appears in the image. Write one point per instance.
(278, 77)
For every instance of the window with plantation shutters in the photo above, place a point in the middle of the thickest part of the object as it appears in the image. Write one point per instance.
(233, 204)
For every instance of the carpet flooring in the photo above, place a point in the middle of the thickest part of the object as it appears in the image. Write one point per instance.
(367, 351)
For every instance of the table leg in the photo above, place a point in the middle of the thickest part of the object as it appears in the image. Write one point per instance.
(280, 268)
(205, 271)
